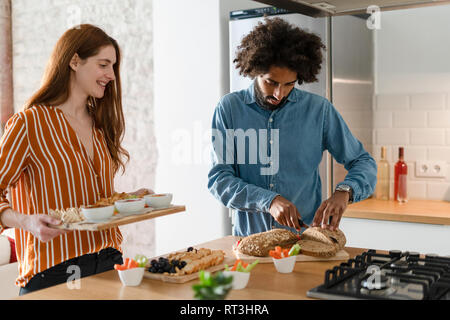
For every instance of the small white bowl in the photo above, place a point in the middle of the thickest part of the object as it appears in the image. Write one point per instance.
(285, 265)
(131, 277)
(240, 279)
(130, 205)
(160, 200)
(97, 213)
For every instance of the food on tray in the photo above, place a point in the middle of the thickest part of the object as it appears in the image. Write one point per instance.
(259, 244)
(241, 266)
(116, 196)
(295, 250)
(333, 238)
(187, 262)
(69, 215)
(127, 264)
(97, 212)
(130, 205)
(159, 200)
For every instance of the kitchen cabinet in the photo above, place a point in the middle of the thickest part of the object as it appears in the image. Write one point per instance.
(418, 225)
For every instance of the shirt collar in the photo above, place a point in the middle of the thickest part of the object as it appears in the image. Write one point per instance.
(249, 97)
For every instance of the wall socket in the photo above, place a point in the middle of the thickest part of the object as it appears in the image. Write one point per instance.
(431, 169)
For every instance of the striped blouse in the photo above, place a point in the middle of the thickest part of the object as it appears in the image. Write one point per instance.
(45, 166)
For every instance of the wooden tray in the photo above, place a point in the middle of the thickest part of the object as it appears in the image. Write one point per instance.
(119, 219)
(186, 277)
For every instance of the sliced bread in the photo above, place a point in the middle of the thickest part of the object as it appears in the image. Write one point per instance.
(259, 244)
(335, 238)
(317, 249)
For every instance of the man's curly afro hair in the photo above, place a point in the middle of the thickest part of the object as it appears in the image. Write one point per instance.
(278, 43)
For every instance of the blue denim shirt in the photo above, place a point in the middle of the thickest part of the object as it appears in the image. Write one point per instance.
(259, 154)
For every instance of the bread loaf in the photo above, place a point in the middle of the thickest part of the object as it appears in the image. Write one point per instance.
(259, 244)
(335, 238)
(317, 249)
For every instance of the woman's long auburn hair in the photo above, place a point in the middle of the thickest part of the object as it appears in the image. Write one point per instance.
(86, 40)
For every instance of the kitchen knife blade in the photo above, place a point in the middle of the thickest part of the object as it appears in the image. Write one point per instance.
(302, 224)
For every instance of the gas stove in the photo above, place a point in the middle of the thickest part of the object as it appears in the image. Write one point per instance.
(395, 275)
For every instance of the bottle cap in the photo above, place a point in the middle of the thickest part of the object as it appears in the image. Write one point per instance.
(400, 152)
(383, 152)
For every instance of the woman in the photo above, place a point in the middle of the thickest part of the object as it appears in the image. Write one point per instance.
(63, 151)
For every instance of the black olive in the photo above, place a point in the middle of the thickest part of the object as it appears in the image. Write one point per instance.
(175, 262)
(152, 269)
(153, 262)
(172, 270)
(182, 264)
(190, 249)
(160, 270)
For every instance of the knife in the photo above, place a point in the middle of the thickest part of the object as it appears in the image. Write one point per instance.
(302, 224)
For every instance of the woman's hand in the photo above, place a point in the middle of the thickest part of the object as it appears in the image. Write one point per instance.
(37, 224)
(142, 192)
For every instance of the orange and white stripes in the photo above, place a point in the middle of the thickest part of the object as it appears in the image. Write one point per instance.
(45, 166)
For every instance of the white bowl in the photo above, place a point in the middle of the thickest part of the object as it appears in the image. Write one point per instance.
(285, 265)
(97, 213)
(130, 205)
(240, 279)
(131, 277)
(160, 200)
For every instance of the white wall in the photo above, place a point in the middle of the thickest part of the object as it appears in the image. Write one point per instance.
(191, 75)
(412, 102)
(37, 25)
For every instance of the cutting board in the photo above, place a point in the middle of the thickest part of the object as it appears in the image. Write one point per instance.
(226, 244)
(120, 219)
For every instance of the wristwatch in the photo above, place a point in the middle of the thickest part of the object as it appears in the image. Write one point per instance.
(346, 188)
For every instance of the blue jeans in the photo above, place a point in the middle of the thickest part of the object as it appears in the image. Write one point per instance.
(89, 264)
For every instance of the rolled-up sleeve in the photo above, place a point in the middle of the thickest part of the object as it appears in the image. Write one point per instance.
(349, 151)
(14, 151)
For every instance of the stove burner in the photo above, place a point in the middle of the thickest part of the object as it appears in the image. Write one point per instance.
(400, 266)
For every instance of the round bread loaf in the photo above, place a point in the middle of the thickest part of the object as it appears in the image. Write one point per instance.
(317, 249)
(259, 244)
(336, 238)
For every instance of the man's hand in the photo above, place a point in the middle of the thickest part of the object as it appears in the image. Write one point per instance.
(285, 212)
(332, 208)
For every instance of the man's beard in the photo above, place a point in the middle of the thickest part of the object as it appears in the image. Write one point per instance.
(263, 101)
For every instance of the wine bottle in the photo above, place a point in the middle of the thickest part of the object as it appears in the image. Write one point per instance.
(401, 171)
(382, 190)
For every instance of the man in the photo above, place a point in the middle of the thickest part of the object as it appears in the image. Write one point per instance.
(288, 129)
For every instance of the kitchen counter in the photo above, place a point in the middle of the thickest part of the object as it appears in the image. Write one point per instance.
(265, 283)
(416, 211)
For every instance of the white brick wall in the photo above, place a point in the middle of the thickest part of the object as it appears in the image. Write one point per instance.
(420, 123)
(37, 25)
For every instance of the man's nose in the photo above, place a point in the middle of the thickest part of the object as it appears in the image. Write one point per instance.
(278, 93)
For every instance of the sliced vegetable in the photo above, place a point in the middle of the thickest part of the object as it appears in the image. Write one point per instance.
(141, 260)
(251, 266)
(295, 250)
(285, 253)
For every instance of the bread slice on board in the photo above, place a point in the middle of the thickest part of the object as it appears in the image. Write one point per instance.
(335, 238)
(259, 244)
(317, 249)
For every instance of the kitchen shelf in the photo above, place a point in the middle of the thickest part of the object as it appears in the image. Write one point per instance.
(417, 211)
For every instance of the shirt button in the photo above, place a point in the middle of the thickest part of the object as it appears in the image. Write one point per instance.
(271, 185)
(270, 120)
(271, 141)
